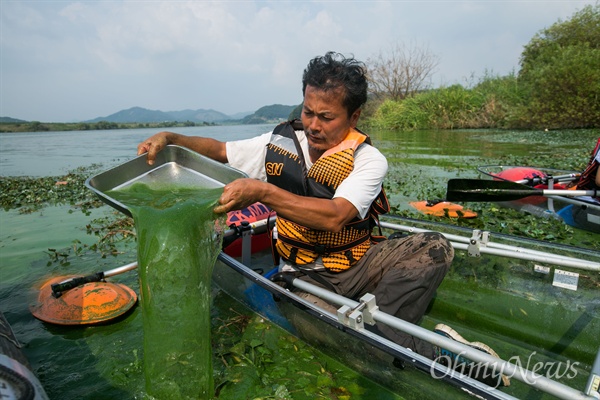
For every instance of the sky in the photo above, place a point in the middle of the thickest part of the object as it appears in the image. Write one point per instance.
(68, 61)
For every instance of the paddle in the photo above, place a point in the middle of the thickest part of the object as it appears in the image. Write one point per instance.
(59, 288)
(60, 298)
(485, 190)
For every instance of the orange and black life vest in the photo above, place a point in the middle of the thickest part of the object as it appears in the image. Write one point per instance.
(286, 168)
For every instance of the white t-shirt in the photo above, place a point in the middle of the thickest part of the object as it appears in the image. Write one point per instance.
(360, 188)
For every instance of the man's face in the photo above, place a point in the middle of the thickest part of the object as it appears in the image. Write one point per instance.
(325, 119)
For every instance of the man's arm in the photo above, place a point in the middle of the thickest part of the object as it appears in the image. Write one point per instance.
(206, 146)
(354, 195)
(323, 214)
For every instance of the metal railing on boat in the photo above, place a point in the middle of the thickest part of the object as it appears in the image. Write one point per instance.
(480, 243)
(356, 314)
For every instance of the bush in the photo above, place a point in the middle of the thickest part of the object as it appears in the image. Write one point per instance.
(504, 98)
(558, 87)
(560, 68)
(487, 105)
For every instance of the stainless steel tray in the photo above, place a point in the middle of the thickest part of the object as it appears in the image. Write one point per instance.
(173, 165)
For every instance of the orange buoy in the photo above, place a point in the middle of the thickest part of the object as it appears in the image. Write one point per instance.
(90, 303)
(442, 209)
(527, 173)
(520, 173)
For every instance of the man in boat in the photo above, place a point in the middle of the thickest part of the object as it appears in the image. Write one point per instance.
(589, 180)
(324, 180)
(590, 177)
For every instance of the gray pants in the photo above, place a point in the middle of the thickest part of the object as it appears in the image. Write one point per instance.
(403, 275)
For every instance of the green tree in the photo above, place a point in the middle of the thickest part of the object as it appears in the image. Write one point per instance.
(296, 112)
(36, 126)
(106, 125)
(560, 68)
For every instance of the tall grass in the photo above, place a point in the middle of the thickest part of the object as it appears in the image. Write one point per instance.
(495, 102)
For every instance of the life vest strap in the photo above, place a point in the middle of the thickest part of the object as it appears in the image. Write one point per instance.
(322, 249)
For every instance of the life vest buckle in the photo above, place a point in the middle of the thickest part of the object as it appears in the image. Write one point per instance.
(320, 249)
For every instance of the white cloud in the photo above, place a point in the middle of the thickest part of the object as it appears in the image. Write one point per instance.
(66, 60)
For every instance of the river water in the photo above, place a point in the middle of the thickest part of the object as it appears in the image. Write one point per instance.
(55, 153)
(104, 362)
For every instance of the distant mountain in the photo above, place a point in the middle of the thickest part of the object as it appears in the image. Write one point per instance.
(296, 112)
(199, 116)
(143, 115)
(241, 115)
(9, 120)
(268, 114)
(135, 114)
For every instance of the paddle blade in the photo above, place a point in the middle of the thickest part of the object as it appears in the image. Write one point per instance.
(485, 190)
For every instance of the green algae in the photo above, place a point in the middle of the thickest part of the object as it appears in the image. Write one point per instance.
(177, 249)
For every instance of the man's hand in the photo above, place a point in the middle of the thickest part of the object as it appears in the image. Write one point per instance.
(153, 145)
(239, 194)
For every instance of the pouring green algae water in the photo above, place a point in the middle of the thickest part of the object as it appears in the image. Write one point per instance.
(177, 249)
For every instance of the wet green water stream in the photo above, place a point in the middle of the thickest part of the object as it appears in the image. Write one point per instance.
(177, 248)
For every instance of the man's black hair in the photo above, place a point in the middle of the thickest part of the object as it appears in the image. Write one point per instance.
(333, 71)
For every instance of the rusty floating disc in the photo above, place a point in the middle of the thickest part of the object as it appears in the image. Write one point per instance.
(90, 303)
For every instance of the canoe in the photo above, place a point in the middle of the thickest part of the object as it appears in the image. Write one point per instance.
(581, 212)
(534, 303)
(17, 381)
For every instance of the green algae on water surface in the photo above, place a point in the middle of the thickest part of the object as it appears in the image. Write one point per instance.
(177, 249)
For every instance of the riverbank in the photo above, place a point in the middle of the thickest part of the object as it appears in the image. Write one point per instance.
(35, 126)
